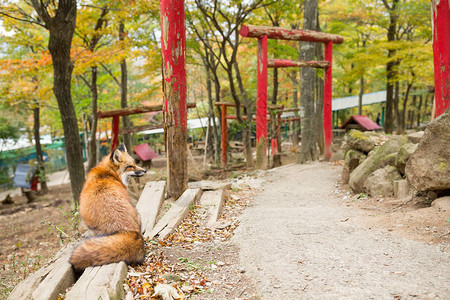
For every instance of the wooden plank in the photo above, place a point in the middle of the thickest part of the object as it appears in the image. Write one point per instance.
(208, 185)
(140, 128)
(175, 215)
(149, 203)
(49, 281)
(134, 110)
(102, 282)
(289, 34)
(212, 202)
(287, 63)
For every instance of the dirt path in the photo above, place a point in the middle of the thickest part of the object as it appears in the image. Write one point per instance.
(299, 241)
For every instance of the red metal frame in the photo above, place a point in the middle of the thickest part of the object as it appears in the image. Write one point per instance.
(441, 49)
(263, 33)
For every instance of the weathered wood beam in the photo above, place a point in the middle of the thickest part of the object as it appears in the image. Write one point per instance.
(174, 215)
(139, 128)
(102, 282)
(286, 63)
(149, 203)
(134, 110)
(289, 34)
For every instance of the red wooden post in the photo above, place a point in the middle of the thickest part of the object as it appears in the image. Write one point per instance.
(327, 96)
(224, 135)
(173, 53)
(441, 51)
(115, 133)
(261, 105)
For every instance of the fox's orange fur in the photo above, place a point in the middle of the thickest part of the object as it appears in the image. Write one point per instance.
(111, 218)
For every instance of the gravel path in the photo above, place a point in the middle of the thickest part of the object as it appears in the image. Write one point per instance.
(298, 241)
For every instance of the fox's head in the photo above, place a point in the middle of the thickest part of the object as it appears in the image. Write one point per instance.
(125, 164)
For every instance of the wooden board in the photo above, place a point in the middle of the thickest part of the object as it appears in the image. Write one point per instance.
(48, 281)
(149, 203)
(103, 282)
(175, 215)
(212, 202)
(208, 185)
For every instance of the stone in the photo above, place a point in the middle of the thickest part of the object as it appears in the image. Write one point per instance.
(360, 141)
(337, 156)
(403, 155)
(428, 168)
(378, 159)
(381, 182)
(352, 159)
(401, 189)
(415, 137)
(442, 204)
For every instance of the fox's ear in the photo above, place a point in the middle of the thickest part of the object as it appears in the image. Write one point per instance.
(122, 148)
(116, 156)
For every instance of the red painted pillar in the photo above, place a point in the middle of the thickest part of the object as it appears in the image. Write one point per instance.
(224, 135)
(327, 96)
(441, 51)
(261, 105)
(115, 133)
(173, 54)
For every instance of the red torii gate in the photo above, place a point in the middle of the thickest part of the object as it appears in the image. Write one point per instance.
(262, 33)
(440, 14)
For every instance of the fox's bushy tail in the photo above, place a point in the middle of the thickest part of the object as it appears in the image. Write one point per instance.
(127, 246)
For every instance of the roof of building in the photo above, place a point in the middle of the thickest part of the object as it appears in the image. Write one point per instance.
(145, 152)
(363, 122)
(353, 101)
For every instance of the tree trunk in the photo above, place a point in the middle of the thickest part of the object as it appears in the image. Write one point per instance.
(61, 28)
(38, 147)
(247, 132)
(391, 70)
(92, 141)
(419, 112)
(124, 90)
(361, 94)
(295, 124)
(309, 150)
(173, 47)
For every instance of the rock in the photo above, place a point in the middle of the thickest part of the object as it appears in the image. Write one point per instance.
(345, 147)
(403, 155)
(337, 156)
(442, 204)
(381, 182)
(428, 168)
(401, 189)
(359, 141)
(375, 161)
(353, 158)
(415, 137)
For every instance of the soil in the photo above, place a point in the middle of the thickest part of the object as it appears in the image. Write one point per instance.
(291, 233)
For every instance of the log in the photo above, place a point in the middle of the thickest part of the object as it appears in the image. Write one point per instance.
(48, 282)
(174, 216)
(289, 34)
(102, 282)
(286, 63)
(149, 204)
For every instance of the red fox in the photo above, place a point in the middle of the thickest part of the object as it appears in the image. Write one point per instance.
(108, 213)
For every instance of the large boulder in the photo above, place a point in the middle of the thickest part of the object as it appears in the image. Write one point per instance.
(428, 168)
(442, 204)
(403, 155)
(415, 137)
(381, 182)
(379, 158)
(352, 159)
(360, 141)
